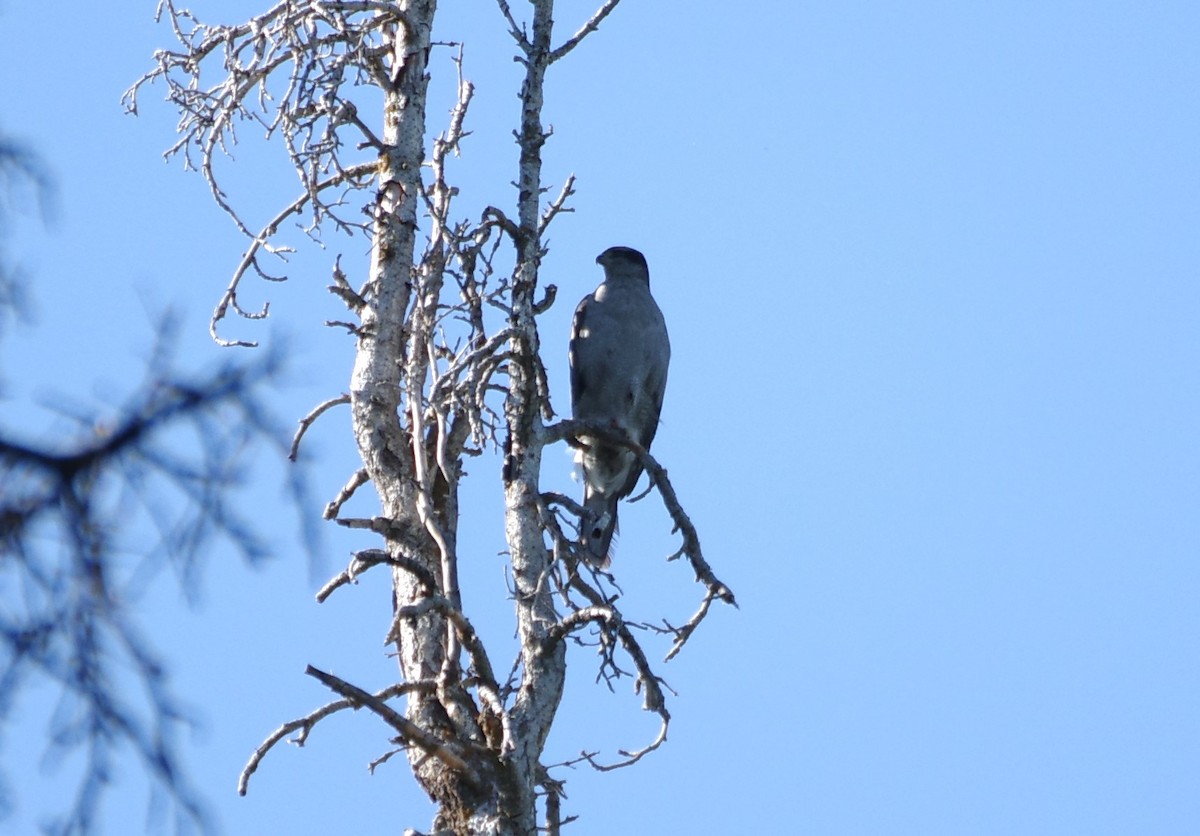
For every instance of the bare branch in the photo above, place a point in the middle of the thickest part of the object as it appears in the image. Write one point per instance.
(558, 205)
(307, 421)
(647, 681)
(591, 26)
(493, 215)
(261, 241)
(547, 300)
(631, 757)
(365, 559)
(305, 725)
(380, 525)
(483, 674)
(569, 430)
(359, 478)
(517, 32)
(342, 289)
(409, 731)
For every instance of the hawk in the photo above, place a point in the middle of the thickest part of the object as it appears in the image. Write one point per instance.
(619, 356)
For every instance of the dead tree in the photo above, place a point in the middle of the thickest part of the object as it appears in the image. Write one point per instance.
(447, 364)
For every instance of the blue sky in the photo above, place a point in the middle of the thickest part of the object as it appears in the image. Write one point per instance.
(931, 276)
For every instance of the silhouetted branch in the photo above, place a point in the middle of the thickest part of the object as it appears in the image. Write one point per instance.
(71, 510)
(19, 167)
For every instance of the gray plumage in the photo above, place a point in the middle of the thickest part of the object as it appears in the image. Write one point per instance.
(619, 357)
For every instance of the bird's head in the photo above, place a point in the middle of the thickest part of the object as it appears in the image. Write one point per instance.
(619, 262)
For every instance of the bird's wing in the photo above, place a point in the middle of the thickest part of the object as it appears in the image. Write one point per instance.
(579, 378)
(650, 370)
(658, 360)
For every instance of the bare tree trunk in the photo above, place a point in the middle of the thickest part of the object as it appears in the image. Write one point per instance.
(389, 364)
(418, 493)
(543, 661)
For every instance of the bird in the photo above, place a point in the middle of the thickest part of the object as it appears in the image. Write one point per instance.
(619, 355)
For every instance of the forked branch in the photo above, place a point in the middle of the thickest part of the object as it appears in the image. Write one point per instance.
(307, 723)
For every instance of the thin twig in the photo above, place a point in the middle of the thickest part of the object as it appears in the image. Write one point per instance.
(229, 297)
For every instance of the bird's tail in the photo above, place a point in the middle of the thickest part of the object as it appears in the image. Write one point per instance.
(600, 523)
